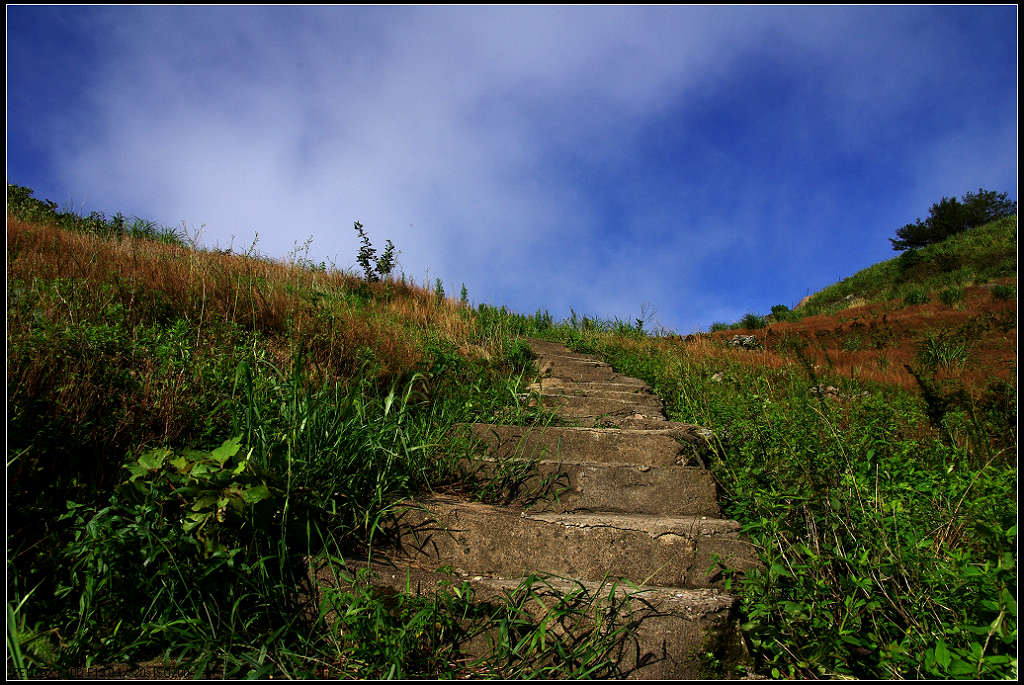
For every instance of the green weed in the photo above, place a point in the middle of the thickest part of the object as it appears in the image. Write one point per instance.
(1003, 292)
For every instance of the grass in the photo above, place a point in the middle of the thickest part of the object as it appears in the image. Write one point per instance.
(887, 529)
(979, 255)
(188, 428)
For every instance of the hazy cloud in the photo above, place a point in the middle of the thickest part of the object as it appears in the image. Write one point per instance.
(594, 157)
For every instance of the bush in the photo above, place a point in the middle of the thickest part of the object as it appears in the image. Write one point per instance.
(916, 296)
(949, 216)
(1004, 292)
(374, 268)
(21, 205)
(781, 312)
(752, 321)
(951, 296)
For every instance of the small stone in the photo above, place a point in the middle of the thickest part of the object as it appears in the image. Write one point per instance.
(718, 377)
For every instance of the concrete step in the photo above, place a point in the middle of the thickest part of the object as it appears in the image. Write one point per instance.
(584, 391)
(596, 445)
(563, 486)
(675, 551)
(667, 630)
(557, 384)
(592, 407)
(578, 371)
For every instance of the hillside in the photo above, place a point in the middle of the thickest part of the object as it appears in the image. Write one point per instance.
(187, 427)
(949, 308)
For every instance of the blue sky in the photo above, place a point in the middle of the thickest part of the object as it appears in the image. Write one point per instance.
(694, 163)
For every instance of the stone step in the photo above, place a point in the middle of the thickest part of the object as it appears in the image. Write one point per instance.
(674, 551)
(563, 486)
(667, 630)
(596, 445)
(578, 371)
(591, 407)
(583, 391)
(557, 384)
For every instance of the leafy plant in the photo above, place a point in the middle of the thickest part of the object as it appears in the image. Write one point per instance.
(949, 216)
(942, 350)
(752, 321)
(1003, 292)
(915, 296)
(951, 296)
(374, 268)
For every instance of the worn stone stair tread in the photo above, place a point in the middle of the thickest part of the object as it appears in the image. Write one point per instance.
(599, 445)
(612, 497)
(585, 389)
(645, 548)
(555, 485)
(673, 627)
(637, 386)
(692, 601)
(603, 396)
(583, 371)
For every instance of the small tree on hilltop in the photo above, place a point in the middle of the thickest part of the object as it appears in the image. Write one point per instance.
(374, 268)
(949, 216)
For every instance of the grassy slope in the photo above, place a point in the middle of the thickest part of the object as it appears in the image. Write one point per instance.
(885, 511)
(864, 327)
(263, 411)
(886, 519)
(984, 254)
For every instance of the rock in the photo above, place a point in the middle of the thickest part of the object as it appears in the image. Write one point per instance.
(825, 391)
(718, 377)
(746, 342)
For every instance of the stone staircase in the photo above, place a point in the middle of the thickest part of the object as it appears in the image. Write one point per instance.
(633, 506)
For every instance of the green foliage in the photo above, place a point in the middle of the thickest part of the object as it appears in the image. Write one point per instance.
(21, 205)
(888, 546)
(752, 322)
(1003, 292)
(374, 268)
(942, 350)
(977, 255)
(781, 312)
(949, 216)
(915, 296)
(719, 326)
(951, 296)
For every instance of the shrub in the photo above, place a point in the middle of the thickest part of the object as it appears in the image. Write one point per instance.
(752, 321)
(951, 296)
(781, 312)
(1004, 292)
(949, 216)
(374, 268)
(916, 296)
(719, 326)
(21, 205)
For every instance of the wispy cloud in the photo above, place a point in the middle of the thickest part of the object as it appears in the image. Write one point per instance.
(701, 160)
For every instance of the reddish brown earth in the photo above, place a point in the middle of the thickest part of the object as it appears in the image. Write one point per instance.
(874, 342)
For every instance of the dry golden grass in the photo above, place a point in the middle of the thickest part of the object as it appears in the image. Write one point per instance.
(325, 311)
(875, 342)
(84, 300)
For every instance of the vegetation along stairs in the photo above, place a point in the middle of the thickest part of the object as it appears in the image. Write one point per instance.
(634, 524)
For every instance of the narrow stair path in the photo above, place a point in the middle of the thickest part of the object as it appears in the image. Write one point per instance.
(633, 506)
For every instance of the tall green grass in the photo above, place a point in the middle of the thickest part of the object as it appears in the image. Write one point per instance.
(889, 549)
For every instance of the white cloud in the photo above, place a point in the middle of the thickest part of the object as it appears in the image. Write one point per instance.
(471, 137)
